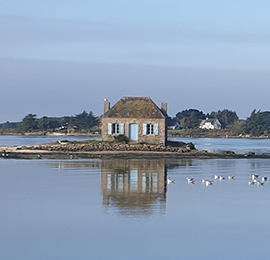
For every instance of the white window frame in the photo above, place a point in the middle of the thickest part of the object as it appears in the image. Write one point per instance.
(116, 128)
(150, 129)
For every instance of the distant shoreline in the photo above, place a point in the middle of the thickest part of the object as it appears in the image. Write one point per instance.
(184, 133)
(50, 134)
(169, 135)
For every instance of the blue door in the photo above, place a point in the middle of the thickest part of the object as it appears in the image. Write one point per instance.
(133, 132)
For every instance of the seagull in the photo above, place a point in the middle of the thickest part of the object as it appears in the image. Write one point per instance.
(251, 182)
(190, 180)
(264, 178)
(230, 177)
(60, 142)
(254, 176)
(260, 183)
(257, 182)
(170, 181)
(216, 177)
(221, 178)
(207, 183)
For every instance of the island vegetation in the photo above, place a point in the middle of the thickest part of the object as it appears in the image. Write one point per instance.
(83, 123)
(187, 121)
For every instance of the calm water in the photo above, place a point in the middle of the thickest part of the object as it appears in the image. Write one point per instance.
(123, 209)
(35, 140)
(258, 146)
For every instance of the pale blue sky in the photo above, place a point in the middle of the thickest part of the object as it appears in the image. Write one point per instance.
(62, 57)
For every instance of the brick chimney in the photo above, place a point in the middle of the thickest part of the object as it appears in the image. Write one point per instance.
(164, 107)
(106, 105)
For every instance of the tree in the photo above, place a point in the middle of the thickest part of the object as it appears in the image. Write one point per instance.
(82, 121)
(43, 123)
(85, 121)
(54, 123)
(93, 120)
(189, 118)
(258, 123)
(29, 123)
(226, 117)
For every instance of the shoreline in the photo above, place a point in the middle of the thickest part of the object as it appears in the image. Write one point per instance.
(35, 152)
(169, 135)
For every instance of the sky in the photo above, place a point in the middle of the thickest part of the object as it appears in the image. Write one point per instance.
(58, 58)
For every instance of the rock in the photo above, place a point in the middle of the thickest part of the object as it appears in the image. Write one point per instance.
(228, 152)
(191, 146)
(249, 154)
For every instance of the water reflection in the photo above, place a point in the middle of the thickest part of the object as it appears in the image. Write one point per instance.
(66, 164)
(128, 187)
(134, 186)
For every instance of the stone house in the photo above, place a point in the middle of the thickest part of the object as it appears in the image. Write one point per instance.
(210, 123)
(138, 118)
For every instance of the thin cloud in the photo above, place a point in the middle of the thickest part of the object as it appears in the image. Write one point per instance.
(26, 30)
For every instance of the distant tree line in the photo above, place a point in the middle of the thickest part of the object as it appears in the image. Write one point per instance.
(257, 124)
(191, 118)
(82, 122)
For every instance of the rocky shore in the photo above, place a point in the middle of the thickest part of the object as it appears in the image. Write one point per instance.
(95, 149)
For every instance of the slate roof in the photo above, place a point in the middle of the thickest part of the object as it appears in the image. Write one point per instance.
(135, 107)
(208, 120)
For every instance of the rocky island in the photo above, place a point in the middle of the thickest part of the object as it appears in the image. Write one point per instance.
(99, 149)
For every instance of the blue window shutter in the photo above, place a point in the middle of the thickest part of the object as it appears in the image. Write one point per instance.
(122, 129)
(144, 129)
(109, 128)
(156, 129)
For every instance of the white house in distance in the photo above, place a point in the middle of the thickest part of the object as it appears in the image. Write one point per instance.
(210, 123)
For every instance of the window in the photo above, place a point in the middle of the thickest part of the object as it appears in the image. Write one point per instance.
(150, 129)
(116, 128)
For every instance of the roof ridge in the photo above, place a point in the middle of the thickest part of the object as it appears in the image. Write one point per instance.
(130, 106)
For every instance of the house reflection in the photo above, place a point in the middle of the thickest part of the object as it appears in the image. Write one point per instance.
(73, 164)
(134, 186)
(131, 187)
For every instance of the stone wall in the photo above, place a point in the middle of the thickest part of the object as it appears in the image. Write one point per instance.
(149, 139)
(106, 146)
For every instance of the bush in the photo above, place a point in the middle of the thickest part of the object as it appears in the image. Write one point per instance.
(120, 139)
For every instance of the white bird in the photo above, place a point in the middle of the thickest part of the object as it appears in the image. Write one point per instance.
(230, 177)
(259, 183)
(251, 182)
(216, 177)
(170, 181)
(221, 178)
(208, 183)
(264, 178)
(254, 176)
(60, 142)
(190, 180)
